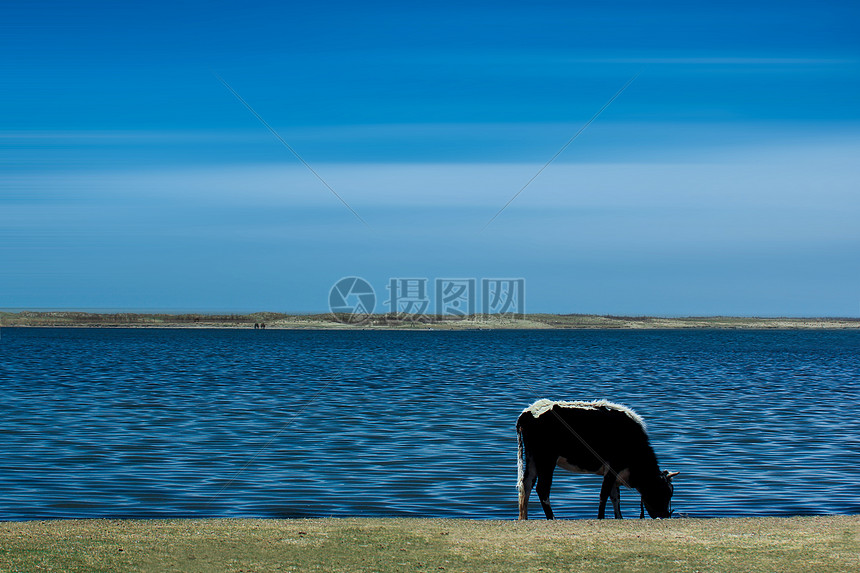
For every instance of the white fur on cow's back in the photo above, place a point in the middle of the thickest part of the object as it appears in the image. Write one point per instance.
(543, 406)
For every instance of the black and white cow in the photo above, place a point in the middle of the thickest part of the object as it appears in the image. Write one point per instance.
(590, 437)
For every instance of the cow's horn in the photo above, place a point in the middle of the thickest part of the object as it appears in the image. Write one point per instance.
(670, 475)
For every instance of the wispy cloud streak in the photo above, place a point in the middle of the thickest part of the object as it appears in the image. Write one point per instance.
(288, 146)
(563, 147)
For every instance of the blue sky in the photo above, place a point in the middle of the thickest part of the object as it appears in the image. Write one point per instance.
(724, 180)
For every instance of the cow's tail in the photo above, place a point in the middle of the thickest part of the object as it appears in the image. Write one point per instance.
(522, 467)
(521, 461)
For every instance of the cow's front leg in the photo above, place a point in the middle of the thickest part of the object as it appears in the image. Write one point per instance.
(544, 483)
(615, 496)
(606, 491)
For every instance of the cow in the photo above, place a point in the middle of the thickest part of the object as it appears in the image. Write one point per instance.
(596, 437)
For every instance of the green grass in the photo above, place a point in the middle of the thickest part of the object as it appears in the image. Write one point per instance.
(804, 544)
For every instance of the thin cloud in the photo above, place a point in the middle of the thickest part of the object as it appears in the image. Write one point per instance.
(721, 60)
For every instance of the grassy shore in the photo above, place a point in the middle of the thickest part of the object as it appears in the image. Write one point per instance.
(804, 544)
(388, 321)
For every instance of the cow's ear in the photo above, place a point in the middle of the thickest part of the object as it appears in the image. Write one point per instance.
(670, 475)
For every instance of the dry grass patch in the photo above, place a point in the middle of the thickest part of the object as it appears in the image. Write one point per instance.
(804, 544)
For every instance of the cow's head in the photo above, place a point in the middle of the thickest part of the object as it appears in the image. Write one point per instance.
(657, 494)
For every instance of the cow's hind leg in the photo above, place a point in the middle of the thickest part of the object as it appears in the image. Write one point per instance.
(615, 496)
(544, 483)
(605, 491)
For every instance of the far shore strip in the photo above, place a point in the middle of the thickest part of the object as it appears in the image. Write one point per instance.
(272, 320)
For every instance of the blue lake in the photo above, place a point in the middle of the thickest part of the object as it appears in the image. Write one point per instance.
(194, 423)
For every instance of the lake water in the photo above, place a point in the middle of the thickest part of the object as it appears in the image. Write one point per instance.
(194, 423)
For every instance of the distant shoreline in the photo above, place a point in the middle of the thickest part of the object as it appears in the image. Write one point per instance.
(272, 320)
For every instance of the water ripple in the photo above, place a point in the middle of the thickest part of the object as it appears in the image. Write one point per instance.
(191, 423)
